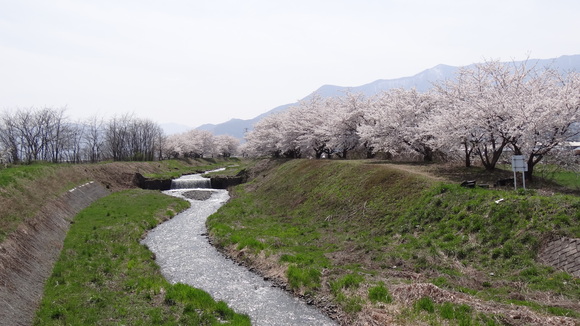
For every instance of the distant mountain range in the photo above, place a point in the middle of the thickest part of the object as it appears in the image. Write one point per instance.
(421, 81)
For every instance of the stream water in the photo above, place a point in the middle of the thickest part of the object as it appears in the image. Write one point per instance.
(185, 256)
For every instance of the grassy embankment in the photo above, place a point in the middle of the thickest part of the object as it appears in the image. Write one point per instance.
(104, 276)
(24, 189)
(364, 235)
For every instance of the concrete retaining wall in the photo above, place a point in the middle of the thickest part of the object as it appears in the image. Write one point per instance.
(226, 182)
(28, 255)
(563, 254)
(219, 182)
(152, 184)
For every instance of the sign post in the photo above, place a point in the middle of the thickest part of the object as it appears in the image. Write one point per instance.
(519, 165)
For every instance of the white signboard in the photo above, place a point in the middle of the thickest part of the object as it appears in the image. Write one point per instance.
(519, 163)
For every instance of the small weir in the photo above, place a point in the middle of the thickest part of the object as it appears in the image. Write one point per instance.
(185, 256)
(192, 181)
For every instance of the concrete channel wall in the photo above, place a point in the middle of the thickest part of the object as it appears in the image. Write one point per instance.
(28, 255)
(218, 182)
(563, 254)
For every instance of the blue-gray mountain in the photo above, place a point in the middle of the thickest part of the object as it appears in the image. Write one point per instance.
(421, 81)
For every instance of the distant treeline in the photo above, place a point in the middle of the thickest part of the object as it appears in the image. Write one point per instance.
(28, 135)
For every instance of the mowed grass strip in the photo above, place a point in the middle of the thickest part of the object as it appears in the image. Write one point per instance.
(104, 276)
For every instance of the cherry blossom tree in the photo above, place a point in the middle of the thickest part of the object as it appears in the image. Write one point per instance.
(310, 122)
(481, 102)
(266, 136)
(226, 145)
(172, 146)
(452, 121)
(393, 120)
(554, 105)
(496, 105)
(344, 121)
(196, 143)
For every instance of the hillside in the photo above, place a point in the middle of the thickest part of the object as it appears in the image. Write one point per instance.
(376, 244)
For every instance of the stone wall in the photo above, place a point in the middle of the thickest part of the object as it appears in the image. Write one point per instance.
(28, 255)
(563, 254)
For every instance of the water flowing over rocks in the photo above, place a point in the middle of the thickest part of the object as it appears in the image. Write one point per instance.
(184, 254)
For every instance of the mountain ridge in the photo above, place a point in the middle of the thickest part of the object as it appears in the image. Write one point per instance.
(422, 81)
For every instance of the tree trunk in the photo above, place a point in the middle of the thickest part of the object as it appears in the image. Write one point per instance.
(428, 155)
(467, 152)
(532, 161)
(529, 173)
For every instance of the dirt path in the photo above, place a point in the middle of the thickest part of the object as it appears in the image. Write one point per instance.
(417, 169)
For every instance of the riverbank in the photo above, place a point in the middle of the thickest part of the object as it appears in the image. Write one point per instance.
(381, 244)
(104, 276)
(25, 189)
(184, 255)
(36, 211)
(27, 256)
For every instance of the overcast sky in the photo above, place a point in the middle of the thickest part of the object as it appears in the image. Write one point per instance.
(194, 62)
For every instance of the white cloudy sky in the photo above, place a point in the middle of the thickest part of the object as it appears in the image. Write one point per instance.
(195, 62)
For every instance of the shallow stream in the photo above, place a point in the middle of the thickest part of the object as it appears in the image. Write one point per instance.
(185, 256)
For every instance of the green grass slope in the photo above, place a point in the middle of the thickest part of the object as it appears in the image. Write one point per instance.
(381, 241)
(24, 189)
(104, 276)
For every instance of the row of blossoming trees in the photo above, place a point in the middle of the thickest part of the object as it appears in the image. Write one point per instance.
(200, 143)
(28, 135)
(487, 109)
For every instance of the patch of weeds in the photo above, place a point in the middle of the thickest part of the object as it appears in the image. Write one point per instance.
(380, 293)
(303, 277)
(455, 314)
(461, 313)
(440, 281)
(559, 311)
(249, 243)
(346, 282)
(425, 304)
(352, 304)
